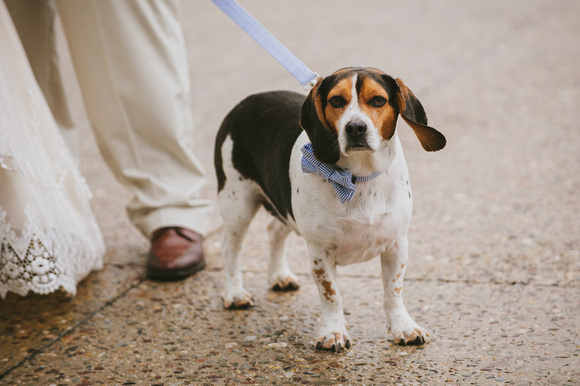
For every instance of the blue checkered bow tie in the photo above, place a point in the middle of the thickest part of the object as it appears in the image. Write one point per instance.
(341, 181)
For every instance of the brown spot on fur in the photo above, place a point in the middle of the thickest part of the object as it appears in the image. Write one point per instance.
(328, 291)
(319, 272)
(398, 290)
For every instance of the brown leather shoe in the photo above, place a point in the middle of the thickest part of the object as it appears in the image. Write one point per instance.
(175, 254)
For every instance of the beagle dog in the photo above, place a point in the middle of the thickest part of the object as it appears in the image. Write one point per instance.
(329, 167)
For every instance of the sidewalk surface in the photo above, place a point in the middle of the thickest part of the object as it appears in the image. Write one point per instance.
(494, 273)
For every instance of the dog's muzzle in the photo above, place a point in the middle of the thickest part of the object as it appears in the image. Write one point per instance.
(356, 135)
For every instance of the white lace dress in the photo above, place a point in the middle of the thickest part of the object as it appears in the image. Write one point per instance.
(49, 239)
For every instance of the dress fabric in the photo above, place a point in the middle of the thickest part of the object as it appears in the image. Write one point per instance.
(49, 238)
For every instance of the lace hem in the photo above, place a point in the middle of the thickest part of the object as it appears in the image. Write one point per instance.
(39, 270)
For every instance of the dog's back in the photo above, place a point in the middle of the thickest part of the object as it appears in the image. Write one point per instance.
(263, 129)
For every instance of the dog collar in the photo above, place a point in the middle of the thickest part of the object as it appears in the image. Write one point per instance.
(342, 181)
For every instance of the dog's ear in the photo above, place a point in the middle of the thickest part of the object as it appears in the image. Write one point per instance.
(413, 113)
(324, 140)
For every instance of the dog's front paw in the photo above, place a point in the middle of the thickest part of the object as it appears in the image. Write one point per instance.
(285, 283)
(404, 329)
(410, 333)
(333, 340)
(237, 300)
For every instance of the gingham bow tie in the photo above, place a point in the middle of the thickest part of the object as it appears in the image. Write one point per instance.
(341, 181)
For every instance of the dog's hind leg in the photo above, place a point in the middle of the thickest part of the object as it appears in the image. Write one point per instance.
(280, 276)
(238, 203)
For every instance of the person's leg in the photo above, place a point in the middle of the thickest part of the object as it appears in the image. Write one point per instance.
(131, 63)
(35, 22)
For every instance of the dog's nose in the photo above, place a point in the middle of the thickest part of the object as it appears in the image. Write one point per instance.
(354, 129)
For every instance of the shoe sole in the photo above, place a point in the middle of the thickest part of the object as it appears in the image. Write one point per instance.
(173, 275)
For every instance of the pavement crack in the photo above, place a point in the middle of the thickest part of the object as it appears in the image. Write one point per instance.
(494, 282)
(448, 280)
(70, 330)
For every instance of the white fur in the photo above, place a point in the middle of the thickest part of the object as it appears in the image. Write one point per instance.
(374, 223)
(239, 201)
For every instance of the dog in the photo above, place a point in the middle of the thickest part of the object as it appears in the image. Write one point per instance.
(330, 167)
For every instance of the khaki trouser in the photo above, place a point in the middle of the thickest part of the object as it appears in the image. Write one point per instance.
(131, 65)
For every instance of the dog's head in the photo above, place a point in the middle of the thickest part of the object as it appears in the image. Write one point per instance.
(356, 109)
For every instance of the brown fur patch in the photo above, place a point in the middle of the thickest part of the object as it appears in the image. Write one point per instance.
(384, 117)
(341, 89)
(318, 108)
(328, 291)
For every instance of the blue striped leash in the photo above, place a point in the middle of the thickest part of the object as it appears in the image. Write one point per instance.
(267, 41)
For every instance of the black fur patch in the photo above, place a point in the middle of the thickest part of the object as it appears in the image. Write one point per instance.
(264, 128)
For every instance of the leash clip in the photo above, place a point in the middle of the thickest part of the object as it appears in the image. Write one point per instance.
(312, 82)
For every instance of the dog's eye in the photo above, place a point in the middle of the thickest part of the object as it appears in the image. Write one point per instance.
(336, 101)
(377, 101)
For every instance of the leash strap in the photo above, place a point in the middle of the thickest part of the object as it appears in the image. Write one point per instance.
(264, 38)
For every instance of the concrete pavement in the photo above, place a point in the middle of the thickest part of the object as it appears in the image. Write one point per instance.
(494, 273)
